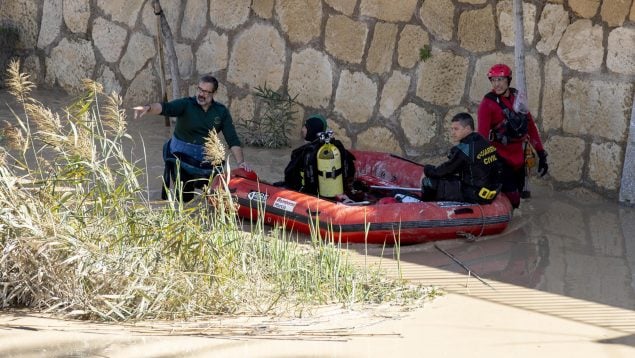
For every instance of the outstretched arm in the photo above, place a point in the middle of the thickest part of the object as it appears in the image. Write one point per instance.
(152, 108)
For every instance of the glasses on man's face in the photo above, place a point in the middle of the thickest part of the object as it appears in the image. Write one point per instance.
(204, 91)
(497, 79)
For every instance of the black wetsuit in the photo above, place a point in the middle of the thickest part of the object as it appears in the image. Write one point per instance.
(473, 168)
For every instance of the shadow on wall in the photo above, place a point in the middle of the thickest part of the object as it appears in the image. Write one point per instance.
(9, 36)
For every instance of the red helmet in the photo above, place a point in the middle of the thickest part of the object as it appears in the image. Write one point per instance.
(499, 70)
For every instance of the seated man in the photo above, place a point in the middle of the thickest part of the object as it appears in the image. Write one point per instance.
(472, 173)
(196, 117)
(301, 174)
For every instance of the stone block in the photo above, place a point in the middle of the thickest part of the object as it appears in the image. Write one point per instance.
(418, 124)
(140, 49)
(212, 53)
(382, 48)
(109, 38)
(229, 15)
(442, 78)
(474, 2)
(553, 22)
(340, 133)
(51, 23)
(70, 63)
(186, 59)
(506, 22)
(585, 8)
(620, 56)
(438, 18)
(566, 158)
(109, 80)
(387, 10)
(355, 97)
(588, 110)
(345, 39)
(125, 12)
(477, 31)
(257, 57)
(143, 88)
(614, 12)
(605, 164)
(263, 8)
(552, 96)
(311, 78)
(581, 46)
(243, 109)
(346, 7)
(193, 19)
(33, 67)
(76, 15)
(393, 93)
(412, 39)
(378, 138)
(300, 19)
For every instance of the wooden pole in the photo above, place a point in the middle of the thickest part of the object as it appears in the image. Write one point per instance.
(469, 271)
(168, 42)
(164, 89)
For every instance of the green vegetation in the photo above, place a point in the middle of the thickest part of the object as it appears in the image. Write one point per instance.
(78, 237)
(270, 126)
(425, 53)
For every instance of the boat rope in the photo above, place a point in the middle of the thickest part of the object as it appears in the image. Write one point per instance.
(482, 221)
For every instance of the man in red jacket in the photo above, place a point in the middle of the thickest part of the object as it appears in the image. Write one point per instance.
(494, 114)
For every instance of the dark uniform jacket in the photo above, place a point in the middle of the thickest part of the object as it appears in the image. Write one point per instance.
(474, 164)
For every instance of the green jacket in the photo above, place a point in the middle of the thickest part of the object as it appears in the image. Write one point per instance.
(193, 123)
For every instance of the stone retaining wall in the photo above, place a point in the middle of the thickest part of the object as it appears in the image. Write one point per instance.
(358, 62)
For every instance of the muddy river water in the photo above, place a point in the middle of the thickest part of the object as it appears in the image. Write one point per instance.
(572, 244)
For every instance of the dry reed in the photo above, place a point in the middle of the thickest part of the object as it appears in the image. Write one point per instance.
(78, 237)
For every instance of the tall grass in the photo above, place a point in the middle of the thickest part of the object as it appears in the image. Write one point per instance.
(78, 236)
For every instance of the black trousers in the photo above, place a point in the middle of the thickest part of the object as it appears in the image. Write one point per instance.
(445, 189)
(513, 184)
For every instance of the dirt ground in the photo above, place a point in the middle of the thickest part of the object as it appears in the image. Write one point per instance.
(561, 280)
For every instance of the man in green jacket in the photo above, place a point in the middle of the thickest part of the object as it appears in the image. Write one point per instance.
(195, 117)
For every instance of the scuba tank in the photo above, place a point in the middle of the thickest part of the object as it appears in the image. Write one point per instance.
(530, 162)
(329, 166)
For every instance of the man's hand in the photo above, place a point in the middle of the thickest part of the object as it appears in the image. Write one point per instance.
(543, 167)
(140, 111)
(245, 166)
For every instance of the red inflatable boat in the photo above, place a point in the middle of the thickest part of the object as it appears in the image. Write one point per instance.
(376, 219)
